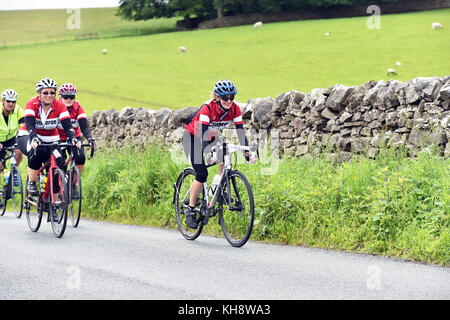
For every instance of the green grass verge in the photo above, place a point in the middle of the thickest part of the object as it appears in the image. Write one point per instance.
(394, 205)
(149, 71)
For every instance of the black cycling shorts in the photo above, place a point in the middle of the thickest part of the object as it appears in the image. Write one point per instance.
(6, 144)
(193, 151)
(80, 157)
(42, 154)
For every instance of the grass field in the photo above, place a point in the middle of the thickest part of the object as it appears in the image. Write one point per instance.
(148, 71)
(23, 27)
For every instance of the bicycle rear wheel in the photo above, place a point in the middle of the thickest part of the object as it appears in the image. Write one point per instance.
(181, 202)
(33, 210)
(58, 209)
(16, 192)
(3, 199)
(74, 190)
(238, 209)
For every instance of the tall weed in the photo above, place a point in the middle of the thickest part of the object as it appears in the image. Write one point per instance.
(392, 205)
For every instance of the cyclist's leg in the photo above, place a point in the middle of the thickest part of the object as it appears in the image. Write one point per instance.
(192, 150)
(34, 164)
(80, 159)
(19, 156)
(65, 152)
(215, 141)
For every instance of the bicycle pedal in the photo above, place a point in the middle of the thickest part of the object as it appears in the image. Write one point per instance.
(204, 220)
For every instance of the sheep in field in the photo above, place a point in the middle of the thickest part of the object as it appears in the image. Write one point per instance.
(182, 49)
(391, 72)
(436, 25)
(257, 24)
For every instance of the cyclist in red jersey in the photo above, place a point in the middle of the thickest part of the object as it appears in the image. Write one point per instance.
(42, 115)
(203, 132)
(78, 118)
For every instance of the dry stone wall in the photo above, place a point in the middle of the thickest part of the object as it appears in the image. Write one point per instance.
(339, 119)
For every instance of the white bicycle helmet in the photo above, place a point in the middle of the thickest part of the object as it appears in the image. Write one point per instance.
(10, 94)
(46, 83)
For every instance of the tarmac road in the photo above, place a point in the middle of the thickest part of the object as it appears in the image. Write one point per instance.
(110, 261)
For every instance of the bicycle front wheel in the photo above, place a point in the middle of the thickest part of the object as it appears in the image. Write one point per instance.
(58, 209)
(74, 189)
(181, 201)
(33, 210)
(238, 209)
(16, 192)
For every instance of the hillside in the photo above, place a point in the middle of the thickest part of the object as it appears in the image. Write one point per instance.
(21, 27)
(148, 71)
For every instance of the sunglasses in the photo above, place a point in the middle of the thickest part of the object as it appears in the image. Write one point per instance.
(48, 92)
(68, 97)
(227, 97)
(10, 101)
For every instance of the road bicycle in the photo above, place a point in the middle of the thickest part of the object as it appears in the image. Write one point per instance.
(74, 189)
(231, 199)
(52, 194)
(11, 184)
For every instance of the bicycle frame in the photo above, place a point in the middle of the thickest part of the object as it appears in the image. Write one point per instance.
(228, 149)
(7, 189)
(208, 205)
(50, 165)
(12, 156)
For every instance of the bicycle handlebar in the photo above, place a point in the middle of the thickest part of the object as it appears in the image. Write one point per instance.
(55, 145)
(230, 148)
(10, 148)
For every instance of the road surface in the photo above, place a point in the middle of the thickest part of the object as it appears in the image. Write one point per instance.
(101, 260)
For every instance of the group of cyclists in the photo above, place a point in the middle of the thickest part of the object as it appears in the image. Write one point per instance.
(45, 119)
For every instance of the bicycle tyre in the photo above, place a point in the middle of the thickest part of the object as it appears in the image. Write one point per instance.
(16, 192)
(32, 212)
(236, 217)
(60, 207)
(74, 201)
(3, 198)
(182, 188)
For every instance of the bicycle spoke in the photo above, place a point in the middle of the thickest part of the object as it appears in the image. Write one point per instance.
(58, 209)
(75, 197)
(238, 209)
(17, 193)
(183, 188)
(33, 211)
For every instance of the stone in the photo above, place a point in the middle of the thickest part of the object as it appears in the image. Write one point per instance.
(326, 113)
(262, 109)
(338, 98)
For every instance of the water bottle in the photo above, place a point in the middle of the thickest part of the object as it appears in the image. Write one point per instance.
(42, 181)
(6, 177)
(214, 184)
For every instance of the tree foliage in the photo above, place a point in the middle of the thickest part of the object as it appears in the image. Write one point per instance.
(148, 9)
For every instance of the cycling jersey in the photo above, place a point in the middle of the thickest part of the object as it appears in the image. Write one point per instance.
(46, 124)
(9, 130)
(76, 113)
(216, 119)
